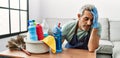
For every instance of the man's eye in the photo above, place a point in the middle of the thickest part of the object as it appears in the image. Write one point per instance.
(86, 18)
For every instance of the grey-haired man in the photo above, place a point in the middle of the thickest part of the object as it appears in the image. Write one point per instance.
(85, 32)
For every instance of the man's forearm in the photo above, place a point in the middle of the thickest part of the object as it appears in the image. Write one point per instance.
(93, 42)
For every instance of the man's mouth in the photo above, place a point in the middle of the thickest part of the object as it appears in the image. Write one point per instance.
(86, 26)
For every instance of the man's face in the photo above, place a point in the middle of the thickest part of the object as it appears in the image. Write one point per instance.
(85, 21)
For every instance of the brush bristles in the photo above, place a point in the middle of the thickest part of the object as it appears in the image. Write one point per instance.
(14, 43)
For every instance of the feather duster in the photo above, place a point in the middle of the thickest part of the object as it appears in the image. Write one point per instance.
(17, 44)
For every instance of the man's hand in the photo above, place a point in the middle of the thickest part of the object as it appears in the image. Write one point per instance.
(95, 18)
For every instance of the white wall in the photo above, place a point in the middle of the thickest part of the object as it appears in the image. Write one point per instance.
(69, 8)
(34, 10)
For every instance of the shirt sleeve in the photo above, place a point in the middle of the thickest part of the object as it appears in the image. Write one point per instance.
(64, 30)
(67, 28)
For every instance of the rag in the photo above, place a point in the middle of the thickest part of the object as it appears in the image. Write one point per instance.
(50, 41)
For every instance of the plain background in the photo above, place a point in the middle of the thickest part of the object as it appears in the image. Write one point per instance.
(41, 9)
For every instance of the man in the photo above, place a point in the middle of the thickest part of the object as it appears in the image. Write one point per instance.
(85, 32)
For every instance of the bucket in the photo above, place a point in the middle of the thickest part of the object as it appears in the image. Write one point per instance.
(36, 46)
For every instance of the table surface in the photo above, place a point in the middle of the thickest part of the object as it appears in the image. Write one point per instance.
(66, 53)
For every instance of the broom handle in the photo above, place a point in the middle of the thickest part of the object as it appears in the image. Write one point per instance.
(25, 51)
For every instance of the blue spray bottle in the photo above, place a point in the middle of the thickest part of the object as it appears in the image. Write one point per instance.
(58, 37)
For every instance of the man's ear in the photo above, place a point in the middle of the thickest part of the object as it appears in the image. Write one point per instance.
(78, 15)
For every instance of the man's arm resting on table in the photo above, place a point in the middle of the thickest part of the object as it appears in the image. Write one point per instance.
(93, 42)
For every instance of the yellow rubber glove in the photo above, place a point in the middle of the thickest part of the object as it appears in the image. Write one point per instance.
(50, 41)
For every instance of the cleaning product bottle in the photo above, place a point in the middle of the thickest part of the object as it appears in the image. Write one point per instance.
(34, 22)
(39, 32)
(58, 37)
(45, 27)
(32, 31)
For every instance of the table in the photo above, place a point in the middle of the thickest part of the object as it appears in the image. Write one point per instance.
(66, 53)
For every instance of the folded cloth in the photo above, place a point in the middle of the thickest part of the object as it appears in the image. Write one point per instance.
(50, 41)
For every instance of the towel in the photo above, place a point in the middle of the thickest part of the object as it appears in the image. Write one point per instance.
(50, 41)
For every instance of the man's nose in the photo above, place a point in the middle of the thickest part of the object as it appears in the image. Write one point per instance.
(89, 22)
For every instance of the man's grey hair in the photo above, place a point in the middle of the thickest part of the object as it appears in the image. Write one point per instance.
(88, 7)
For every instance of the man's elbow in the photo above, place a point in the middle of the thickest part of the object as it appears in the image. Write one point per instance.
(92, 49)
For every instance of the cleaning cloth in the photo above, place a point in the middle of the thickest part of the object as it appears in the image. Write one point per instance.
(50, 41)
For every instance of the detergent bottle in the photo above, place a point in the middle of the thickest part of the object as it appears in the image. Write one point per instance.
(39, 32)
(32, 31)
(58, 37)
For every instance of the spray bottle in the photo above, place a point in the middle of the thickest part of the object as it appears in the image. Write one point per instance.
(45, 27)
(58, 37)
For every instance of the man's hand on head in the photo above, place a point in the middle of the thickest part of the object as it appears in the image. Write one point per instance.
(95, 18)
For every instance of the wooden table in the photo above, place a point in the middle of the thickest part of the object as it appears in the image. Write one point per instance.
(66, 53)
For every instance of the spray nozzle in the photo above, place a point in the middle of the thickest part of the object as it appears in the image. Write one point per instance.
(59, 24)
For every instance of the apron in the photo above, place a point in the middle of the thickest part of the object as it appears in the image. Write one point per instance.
(80, 44)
